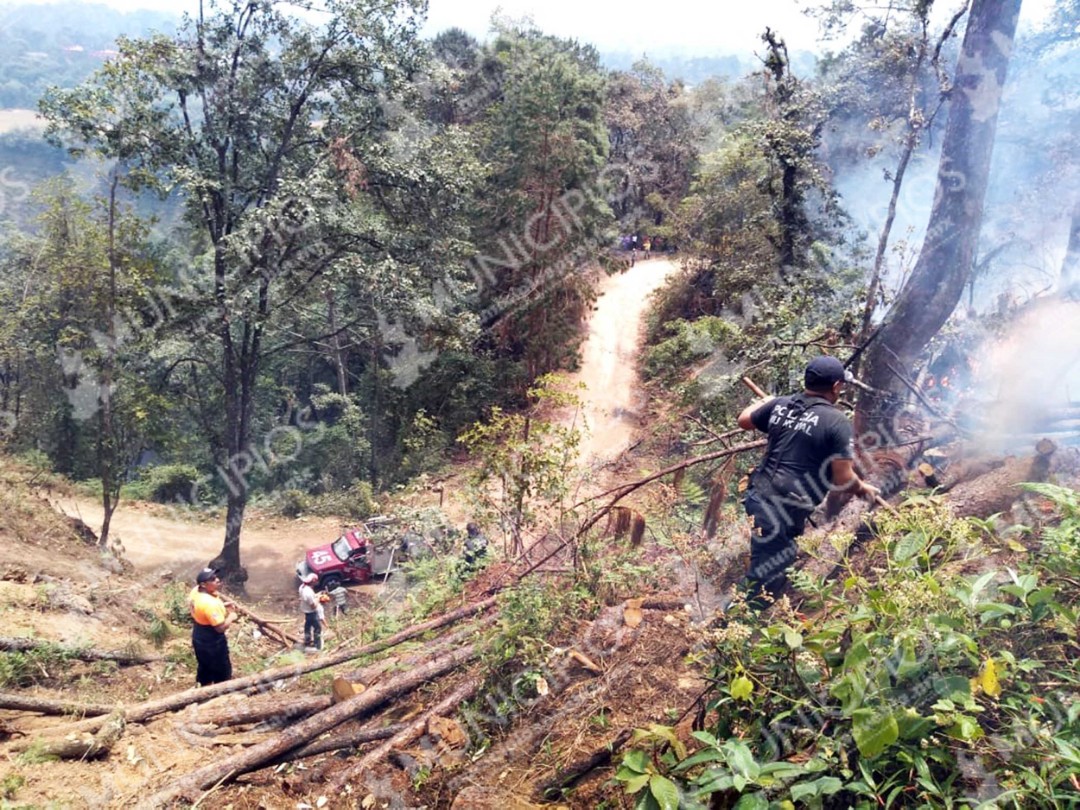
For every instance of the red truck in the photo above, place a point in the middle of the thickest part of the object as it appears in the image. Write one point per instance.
(347, 559)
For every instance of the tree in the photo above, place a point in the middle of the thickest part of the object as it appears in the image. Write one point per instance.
(79, 381)
(546, 208)
(934, 288)
(263, 123)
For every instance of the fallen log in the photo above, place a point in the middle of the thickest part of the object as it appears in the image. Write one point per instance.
(144, 711)
(189, 786)
(266, 707)
(338, 742)
(997, 490)
(122, 657)
(86, 746)
(412, 731)
(25, 703)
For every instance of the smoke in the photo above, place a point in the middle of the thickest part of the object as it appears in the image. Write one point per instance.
(1027, 382)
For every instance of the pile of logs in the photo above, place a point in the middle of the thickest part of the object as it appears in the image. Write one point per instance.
(286, 727)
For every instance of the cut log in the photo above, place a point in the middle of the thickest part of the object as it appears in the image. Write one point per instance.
(122, 657)
(412, 731)
(85, 746)
(996, 491)
(189, 786)
(26, 703)
(280, 708)
(144, 711)
(339, 742)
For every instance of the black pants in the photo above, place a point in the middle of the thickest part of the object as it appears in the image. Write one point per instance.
(772, 542)
(212, 653)
(312, 630)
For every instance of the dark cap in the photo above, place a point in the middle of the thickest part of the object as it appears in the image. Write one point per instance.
(206, 575)
(822, 372)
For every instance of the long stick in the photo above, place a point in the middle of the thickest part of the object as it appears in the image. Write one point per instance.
(753, 386)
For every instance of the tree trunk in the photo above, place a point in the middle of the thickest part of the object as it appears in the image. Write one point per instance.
(258, 709)
(1070, 266)
(936, 284)
(339, 742)
(407, 735)
(26, 703)
(122, 657)
(144, 711)
(230, 767)
(88, 746)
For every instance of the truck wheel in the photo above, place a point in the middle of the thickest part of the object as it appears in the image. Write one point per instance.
(330, 582)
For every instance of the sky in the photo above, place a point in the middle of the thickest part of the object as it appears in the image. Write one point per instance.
(670, 27)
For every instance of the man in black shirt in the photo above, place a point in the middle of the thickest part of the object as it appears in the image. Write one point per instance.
(810, 454)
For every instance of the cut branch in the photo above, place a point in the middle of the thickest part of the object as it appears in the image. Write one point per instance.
(25, 703)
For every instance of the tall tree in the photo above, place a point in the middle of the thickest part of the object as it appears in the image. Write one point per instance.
(931, 293)
(263, 123)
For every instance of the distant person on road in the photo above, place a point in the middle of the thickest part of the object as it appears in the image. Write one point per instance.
(810, 454)
(210, 620)
(311, 607)
(476, 545)
(646, 246)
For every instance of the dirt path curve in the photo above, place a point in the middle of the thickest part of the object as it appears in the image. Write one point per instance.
(158, 539)
(609, 363)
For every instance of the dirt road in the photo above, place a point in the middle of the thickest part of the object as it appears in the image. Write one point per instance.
(610, 356)
(160, 539)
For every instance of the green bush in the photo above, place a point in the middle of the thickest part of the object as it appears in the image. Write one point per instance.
(167, 483)
(919, 680)
(294, 503)
(357, 502)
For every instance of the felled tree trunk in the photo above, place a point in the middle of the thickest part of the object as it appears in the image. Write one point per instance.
(144, 711)
(25, 703)
(122, 657)
(189, 786)
(407, 735)
(997, 490)
(86, 746)
(267, 707)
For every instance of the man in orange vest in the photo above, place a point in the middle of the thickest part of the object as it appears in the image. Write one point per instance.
(211, 620)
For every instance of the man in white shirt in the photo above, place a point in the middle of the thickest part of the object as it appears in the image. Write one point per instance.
(314, 618)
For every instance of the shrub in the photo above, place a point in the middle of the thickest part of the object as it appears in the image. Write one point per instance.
(169, 483)
(293, 503)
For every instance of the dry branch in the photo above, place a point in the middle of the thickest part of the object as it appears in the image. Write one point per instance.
(25, 703)
(123, 657)
(266, 625)
(412, 731)
(567, 778)
(144, 711)
(297, 735)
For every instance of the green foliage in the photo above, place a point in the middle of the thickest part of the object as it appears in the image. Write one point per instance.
(526, 461)
(921, 686)
(689, 341)
(176, 604)
(167, 483)
(32, 666)
(10, 785)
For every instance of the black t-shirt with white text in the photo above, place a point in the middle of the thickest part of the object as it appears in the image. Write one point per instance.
(806, 433)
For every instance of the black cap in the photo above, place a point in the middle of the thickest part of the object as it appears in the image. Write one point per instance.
(823, 372)
(206, 575)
